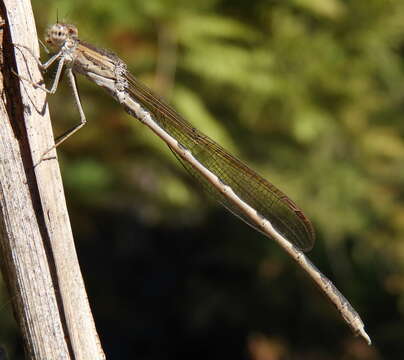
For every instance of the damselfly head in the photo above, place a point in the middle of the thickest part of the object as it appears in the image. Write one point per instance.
(57, 34)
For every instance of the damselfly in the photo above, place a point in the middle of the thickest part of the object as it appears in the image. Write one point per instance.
(232, 183)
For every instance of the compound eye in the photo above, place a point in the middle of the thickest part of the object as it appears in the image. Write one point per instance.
(72, 31)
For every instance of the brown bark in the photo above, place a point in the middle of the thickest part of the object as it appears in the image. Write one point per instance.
(38, 257)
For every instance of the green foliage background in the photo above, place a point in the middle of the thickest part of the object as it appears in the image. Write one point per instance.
(310, 93)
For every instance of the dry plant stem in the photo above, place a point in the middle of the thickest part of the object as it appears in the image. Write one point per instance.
(39, 262)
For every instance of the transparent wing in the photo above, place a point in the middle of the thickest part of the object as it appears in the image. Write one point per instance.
(270, 202)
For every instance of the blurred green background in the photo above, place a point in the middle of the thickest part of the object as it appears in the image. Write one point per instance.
(310, 93)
